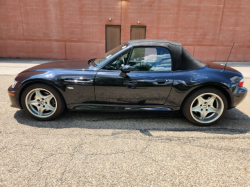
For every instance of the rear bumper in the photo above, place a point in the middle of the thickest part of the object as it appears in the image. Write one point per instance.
(239, 96)
(13, 98)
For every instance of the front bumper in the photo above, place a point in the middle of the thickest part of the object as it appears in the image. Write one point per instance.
(13, 98)
(239, 96)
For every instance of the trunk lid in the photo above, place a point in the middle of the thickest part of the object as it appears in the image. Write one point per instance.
(213, 65)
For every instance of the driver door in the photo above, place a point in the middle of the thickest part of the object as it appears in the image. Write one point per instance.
(148, 83)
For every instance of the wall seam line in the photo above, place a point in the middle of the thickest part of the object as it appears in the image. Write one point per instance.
(121, 14)
(21, 16)
(22, 27)
(121, 22)
(65, 51)
(222, 15)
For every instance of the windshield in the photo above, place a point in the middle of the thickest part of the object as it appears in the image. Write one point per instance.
(98, 62)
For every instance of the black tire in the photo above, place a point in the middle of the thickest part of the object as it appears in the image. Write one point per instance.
(195, 117)
(57, 101)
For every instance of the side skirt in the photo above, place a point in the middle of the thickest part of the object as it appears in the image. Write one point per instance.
(121, 108)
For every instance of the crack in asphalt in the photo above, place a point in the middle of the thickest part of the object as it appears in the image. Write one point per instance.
(191, 141)
(72, 154)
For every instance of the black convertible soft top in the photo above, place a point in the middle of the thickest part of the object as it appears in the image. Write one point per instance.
(181, 59)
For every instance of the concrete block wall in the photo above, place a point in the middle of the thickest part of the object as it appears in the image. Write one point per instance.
(76, 29)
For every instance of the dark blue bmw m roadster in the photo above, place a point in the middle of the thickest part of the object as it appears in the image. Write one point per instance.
(137, 75)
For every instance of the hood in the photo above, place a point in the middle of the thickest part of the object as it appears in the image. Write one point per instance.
(64, 64)
(219, 66)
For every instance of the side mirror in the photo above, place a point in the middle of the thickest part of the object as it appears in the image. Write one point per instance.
(126, 69)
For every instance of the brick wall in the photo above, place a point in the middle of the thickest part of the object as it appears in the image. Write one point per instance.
(76, 29)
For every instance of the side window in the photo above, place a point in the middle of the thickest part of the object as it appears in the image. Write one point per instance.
(118, 62)
(150, 59)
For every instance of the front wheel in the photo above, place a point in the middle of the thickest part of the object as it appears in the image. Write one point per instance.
(42, 102)
(205, 106)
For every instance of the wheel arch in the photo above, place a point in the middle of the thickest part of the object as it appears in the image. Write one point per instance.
(37, 82)
(220, 88)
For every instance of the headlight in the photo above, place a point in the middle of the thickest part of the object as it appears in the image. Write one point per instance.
(14, 84)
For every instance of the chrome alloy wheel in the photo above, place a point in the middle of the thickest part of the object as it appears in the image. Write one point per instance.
(41, 103)
(206, 108)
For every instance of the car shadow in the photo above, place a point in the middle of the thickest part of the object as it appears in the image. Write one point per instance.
(234, 122)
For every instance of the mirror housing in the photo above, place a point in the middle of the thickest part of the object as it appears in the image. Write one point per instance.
(126, 69)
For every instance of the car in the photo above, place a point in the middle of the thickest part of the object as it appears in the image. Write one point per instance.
(139, 75)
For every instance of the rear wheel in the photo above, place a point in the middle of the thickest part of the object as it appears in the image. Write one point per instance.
(42, 102)
(205, 106)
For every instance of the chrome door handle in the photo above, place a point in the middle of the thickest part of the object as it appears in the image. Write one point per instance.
(85, 81)
(161, 80)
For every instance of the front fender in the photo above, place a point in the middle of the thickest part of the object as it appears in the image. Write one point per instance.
(80, 92)
(26, 78)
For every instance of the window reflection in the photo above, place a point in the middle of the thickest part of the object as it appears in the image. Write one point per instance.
(150, 59)
(118, 62)
(99, 61)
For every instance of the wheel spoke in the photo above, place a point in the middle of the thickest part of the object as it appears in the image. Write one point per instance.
(211, 100)
(212, 109)
(38, 94)
(40, 111)
(201, 101)
(47, 98)
(196, 109)
(49, 107)
(33, 102)
(203, 115)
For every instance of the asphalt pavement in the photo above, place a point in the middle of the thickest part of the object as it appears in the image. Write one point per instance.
(121, 148)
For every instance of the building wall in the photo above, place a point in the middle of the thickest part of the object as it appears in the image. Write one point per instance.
(76, 29)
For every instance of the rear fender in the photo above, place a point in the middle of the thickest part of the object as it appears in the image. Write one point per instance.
(188, 81)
